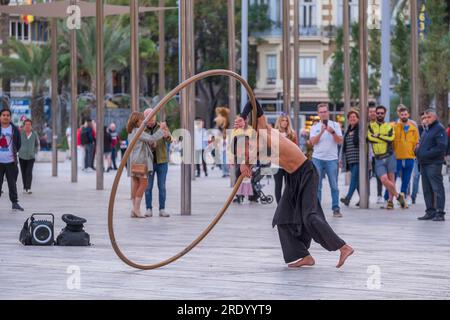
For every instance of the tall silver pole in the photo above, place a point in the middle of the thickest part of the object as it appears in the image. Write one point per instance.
(363, 87)
(232, 57)
(162, 56)
(286, 58)
(232, 67)
(346, 31)
(54, 86)
(191, 58)
(385, 56)
(100, 83)
(296, 66)
(134, 72)
(73, 99)
(414, 61)
(244, 50)
(186, 171)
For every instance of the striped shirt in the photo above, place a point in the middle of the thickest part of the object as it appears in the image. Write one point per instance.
(351, 151)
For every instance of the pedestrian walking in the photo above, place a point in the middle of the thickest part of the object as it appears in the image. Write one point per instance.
(27, 154)
(10, 143)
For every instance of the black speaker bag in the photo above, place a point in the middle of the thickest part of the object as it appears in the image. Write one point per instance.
(25, 234)
(70, 238)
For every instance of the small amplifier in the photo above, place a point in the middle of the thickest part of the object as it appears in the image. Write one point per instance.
(42, 231)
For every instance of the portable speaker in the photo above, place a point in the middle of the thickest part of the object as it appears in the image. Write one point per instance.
(42, 231)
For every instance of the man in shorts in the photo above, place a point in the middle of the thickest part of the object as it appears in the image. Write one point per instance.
(381, 134)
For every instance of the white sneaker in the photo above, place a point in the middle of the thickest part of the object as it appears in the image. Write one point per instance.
(149, 213)
(163, 213)
(409, 201)
(380, 200)
(29, 191)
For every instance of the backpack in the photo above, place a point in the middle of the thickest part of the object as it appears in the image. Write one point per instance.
(84, 136)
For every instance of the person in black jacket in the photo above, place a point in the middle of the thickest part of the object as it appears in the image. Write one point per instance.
(10, 143)
(431, 155)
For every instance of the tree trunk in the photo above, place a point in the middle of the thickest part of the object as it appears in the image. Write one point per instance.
(424, 96)
(4, 35)
(442, 107)
(37, 110)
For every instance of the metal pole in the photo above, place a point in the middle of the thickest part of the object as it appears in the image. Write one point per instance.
(363, 86)
(54, 86)
(286, 58)
(134, 72)
(346, 29)
(186, 171)
(232, 57)
(244, 50)
(385, 56)
(232, 67)
(414, 61)
(191, 67)
(162, 57)
(100, 83)
(74, 98)
(296, 66)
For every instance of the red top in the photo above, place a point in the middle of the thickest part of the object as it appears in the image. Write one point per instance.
(79, 137)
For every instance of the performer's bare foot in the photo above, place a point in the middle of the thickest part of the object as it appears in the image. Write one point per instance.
(306, 261)
(346, 251)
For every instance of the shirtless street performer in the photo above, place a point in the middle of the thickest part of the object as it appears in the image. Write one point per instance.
(299, 216)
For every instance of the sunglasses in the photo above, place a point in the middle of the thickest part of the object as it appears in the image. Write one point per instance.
(381, 113)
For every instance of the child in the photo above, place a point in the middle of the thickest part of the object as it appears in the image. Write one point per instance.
(245, 190)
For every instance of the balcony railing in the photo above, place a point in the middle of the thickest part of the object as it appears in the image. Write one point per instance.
(310, 31)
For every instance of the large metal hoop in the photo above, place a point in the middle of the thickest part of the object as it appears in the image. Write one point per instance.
(133, 142)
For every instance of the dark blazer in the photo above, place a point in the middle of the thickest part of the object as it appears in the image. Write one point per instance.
(17, 140)
(433, 145)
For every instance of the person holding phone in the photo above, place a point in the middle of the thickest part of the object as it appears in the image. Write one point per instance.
(325, 138)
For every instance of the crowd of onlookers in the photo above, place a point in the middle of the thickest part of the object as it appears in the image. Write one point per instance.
(402, 149)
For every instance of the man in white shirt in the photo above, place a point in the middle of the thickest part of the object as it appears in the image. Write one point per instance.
(325, 137)
(10, 143)
(200, 144)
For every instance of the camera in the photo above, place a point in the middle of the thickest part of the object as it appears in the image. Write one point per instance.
(42, 231)
(325, 122)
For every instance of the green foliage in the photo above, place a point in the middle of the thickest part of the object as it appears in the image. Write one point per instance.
(374, 62)
(354, 62)
(401, 57)
(336, 81)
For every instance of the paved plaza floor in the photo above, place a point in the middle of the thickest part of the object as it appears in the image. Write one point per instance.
(396, 257)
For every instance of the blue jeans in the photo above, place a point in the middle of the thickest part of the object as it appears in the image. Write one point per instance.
(354, 181)
(161, 171)
(416, 179)
(225, 169)
(331, 169)
(405, 169)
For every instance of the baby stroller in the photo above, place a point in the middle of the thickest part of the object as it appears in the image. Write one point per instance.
(257, 186)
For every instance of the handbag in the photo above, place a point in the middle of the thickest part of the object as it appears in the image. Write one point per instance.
(139, 168)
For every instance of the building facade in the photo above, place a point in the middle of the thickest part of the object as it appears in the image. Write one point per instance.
(319, 20)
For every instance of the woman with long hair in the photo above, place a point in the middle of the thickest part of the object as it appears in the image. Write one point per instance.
(283, 125)
(141, 155)
(350, 154)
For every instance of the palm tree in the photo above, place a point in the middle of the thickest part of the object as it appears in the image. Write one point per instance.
(4, 36)
(32, 64)
(116, 48)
